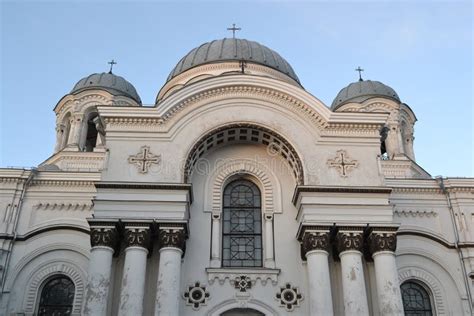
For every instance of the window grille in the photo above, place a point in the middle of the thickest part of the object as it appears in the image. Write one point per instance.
(57, 297)
(416, 300)
(242, 225)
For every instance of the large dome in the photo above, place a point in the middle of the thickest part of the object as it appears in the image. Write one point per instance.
(114, 84)
(233, 49)
(363, 90)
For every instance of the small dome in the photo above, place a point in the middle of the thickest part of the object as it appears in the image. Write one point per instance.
(363, 90)
(114, 84)
(233, 49)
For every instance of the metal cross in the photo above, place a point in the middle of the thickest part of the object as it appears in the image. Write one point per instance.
(243, 65)
(233, 29)
(342, 163)
(111, 63)
(144, 159)
(360, 72)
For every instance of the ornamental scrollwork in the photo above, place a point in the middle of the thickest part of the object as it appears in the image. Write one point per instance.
(315, 241)
(103, 236)
(172, 237)
(349, 241)
(382, 242)
(137, 237)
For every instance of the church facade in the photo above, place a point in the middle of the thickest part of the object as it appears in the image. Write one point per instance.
(237, 193)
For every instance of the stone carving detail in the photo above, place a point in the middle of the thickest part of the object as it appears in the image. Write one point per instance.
(343, 163)
(314, 241)
(104, 236)
(415, 213)
(349, 241)
(289, 297)
(144, 159)
(382, 242)
(196, 295)
(137, 237)
(243, 283)
(172, 237)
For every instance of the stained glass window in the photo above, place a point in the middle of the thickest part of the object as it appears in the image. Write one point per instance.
(416, 300)
(57, 297)
(242, 225)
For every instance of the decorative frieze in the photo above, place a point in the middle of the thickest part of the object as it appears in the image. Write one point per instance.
(415, 213)
(232, 274)
(289, 297)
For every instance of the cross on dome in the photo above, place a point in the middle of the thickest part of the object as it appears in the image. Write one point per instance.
(360, 73)
(111, 63)
(233, 29)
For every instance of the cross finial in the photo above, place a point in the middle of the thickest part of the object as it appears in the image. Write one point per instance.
(233, 29)
(111, 63)
(360, 73)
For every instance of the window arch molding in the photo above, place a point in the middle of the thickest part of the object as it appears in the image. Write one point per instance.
(268, 184)
(429, 283)
(423, 287)
(234, 303)
(48, 271)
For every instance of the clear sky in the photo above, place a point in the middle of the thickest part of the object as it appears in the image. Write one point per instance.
(422, 49)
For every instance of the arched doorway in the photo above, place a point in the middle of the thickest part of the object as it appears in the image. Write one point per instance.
(242, 312)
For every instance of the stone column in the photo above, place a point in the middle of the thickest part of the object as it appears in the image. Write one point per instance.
(315, 247)
(216, 241)
(269, 255)
(103, 241)
(382, 245)
(172, 245)
(349, 245)
(137, 238)
(75, 131)
(60, 130)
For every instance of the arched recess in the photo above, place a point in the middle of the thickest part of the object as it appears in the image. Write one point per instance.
(431, 282)
(269, 184)
(235, 304)
(244, 133)
(41, 274)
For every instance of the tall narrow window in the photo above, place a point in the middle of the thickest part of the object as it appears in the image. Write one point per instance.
(91, 136)
(416, 300)
(57, 297)
(242, 225)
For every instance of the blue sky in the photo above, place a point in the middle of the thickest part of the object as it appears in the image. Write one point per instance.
(422, 49)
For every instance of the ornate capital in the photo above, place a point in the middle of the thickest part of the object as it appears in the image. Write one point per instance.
(382, 241)
(347, 240)
(172, 237)
(313, 240)
(137, 236)
(104, 236)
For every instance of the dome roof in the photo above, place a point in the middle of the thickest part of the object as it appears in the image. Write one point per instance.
(233, 49)
(114, 84)
(363, 90)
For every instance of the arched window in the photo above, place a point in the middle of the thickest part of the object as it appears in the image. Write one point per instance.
(57, 297)
(242, 312)
(416, 299)
(91, 134)
(242, 225)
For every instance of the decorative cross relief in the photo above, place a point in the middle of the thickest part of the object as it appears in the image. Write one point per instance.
(343, 163)
(144, 159)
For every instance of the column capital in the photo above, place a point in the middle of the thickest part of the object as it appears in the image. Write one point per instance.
(172, 236)
(314, 240)
(137, 235)
(103, 234)
(382, 240)
(350, 239)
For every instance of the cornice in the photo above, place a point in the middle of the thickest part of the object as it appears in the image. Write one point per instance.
(339, 189)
